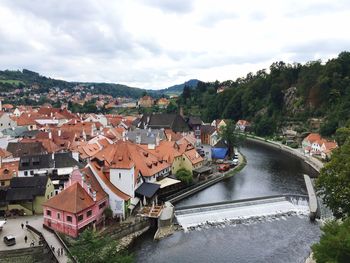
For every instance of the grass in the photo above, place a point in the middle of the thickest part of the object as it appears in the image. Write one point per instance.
(238, 169)
(11, 81)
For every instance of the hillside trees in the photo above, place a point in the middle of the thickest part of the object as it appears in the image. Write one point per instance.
(322, 91)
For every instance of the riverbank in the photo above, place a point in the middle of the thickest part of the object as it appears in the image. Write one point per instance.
(215, 179)
(316, 164)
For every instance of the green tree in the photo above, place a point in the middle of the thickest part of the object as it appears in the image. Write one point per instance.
(334, 182)
(92, 248)
(342, 134)
(172, 107)
(264, 126)
(184, 176)
(229, 135)
(334, 245)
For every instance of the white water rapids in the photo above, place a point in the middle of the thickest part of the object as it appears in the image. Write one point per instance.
(210, 215)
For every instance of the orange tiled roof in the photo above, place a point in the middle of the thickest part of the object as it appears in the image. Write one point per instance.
(125, 155)
(193, 156)
(4, 153)
(73, 199)
(8, 170)
(313, 137)
(166, 151)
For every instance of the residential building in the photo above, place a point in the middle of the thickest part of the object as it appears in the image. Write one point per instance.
(195, 123)
(8, 170)
(27, 194)
(209, 135)
(175, 122)
(243, 125)
(146, 102)
(163, 103)
(78, 206)
(20, 149)
(6, 121)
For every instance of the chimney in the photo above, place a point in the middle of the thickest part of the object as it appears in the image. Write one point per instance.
(94, 196)
(82, 180)
(50, 135)
(0, 162)
(59, 132)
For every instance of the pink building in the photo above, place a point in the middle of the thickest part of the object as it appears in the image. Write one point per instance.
(78, 206)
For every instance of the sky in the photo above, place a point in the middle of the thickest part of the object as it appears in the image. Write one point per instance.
(158, 43)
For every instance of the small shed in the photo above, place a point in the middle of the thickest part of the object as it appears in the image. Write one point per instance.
(220, 150)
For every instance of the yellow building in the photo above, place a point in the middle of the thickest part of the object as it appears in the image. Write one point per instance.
(27, 194)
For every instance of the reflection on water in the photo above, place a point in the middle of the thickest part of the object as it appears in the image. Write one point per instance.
(268, 172)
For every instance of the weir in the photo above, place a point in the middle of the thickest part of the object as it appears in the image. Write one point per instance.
(191, 216)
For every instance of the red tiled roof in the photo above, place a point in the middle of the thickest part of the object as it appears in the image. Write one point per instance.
(73, 199)
(8, 170)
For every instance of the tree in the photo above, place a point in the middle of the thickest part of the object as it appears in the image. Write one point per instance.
(172, 107)
(229, 135)
(334, 245)
(264, 126)
(334, 182)
(341, 135)
(92, 248)
(184, 176)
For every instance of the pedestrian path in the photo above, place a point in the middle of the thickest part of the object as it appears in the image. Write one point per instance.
(51, 239)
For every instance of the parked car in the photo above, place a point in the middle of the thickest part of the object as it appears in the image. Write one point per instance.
(224, 167)
(9, 240)
(235, 161)
(236, 156)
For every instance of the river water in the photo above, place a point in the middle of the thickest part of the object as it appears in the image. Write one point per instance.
(286, 239)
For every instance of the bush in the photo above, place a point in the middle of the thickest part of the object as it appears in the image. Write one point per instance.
(184, 176)
(334, 245)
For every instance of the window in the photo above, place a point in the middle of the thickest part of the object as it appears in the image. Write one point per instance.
(120, 175)
(80, 218)
(31, 172)
(102, 205)
(25, 173)
(69, 218)
(58, 216)
(89, 213)
(2, 183)
(48, 213)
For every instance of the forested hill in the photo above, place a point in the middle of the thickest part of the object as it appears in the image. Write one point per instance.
(287, 96)
(178, 89)
(10, 80)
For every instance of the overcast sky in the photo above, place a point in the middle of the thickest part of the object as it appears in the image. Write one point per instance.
(158, 43)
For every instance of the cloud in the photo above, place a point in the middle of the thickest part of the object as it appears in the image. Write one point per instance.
(172, 6)
(216, 17)
(155, 43)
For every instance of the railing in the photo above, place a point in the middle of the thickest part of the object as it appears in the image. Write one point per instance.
(44, 243)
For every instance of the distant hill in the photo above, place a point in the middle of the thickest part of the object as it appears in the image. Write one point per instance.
(10, 79)
(177, 89)
(17, 79)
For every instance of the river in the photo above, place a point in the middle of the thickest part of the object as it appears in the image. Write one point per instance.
(288, 239)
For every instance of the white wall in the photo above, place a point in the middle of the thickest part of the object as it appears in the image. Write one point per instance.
(123, 179)
(115, 202)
